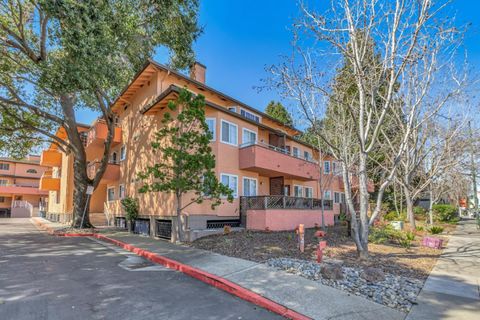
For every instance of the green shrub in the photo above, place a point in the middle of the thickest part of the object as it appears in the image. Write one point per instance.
(444, 212)
(130, 205)
(405, 242)
(419, 228)
(380, 235)
(436, 230)
(410, 235)
(394, 216)
(419, 211)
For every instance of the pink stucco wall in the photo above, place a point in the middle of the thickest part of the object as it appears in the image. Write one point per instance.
(279, 219)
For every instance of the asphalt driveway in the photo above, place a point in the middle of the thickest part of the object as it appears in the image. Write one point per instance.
(45, 277)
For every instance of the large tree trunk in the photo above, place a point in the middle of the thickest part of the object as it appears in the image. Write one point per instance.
(410, 213)
(81, 201)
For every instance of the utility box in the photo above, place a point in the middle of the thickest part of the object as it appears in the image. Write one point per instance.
(397, 225)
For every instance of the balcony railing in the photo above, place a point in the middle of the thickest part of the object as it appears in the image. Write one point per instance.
(51, 158)
(284, 202)
(111, 174)
(276, 149)
(49, 182)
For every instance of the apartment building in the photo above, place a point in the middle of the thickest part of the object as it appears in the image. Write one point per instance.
(275, 176)
(19, 182)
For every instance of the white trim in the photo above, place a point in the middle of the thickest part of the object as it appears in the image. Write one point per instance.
(110, 188)
(235, 195)
(232, 107)
(221, 132)
(305, 191)
(301, 190)
(299, 152)
(253, 113)
(330, 192)
(339, 197)
(119, 193)
(124, 155)
(251, 131)
(243, 184)
(214, 133)
(329, 167)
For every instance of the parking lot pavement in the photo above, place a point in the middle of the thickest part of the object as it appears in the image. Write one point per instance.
(45, 277)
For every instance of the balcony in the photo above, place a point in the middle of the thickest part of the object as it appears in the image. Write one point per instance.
(51, 158)
(48, 182)
(355, 184)
(13, 189)
(272, 161)
(111, 174)
(276, 213)
(97, 134)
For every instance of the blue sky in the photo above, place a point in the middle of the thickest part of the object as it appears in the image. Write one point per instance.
(242, 37)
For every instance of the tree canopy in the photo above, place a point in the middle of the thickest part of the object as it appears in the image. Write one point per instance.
(277, 111)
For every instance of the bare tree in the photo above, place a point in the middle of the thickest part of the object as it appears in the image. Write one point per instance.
(408, 35)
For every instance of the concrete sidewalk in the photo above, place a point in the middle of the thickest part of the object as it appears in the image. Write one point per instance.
(452, 289)
(307, 297)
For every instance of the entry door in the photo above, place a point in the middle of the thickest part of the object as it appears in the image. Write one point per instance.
(276, 186)
(286, 190)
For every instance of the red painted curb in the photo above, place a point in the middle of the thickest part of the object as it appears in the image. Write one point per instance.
(213, 280)
(208, 278)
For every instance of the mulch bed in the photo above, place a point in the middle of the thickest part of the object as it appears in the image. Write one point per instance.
(259, 246)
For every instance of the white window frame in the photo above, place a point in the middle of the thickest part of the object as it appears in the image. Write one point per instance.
(330, 195)
(108, 189)
(120, 187)
(235, 193)
(325, 167)
(295, 193)
(336, 168)
(232, 107)
(297, 155)
(337, 197)
(214, 133)
(256, 185)
(221, 132)
(123, 153)
(342, 197)
(250, 131)
(2, 183)
(252, 113)
(311, 192)
(309, 158)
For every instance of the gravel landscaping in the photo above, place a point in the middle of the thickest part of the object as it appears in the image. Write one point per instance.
(393, 291)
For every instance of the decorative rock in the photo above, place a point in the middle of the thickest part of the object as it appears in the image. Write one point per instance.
(332, 272)
(394, 291)
(373, 274)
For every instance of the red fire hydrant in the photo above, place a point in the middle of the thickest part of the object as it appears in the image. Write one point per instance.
(322, 244)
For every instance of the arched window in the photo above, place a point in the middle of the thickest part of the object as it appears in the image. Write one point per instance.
(31, 171)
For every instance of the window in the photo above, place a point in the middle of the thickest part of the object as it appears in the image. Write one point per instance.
(327, 195)
(308, 192)
(2, 199)
(3, 182)
(296, 152)
(336, 168)
(121, 191)
(114, 158)
(342, 197)
(249, 115)
(111, 194)
(307, 155)
(326, 167)
(230, 181)
(297, 191)
(211, 123)
(32, 171)
(4, 166)
(123, 153)
(229, 133)
(233, 109)
(249, 187)
(336, 197)
(249, 137)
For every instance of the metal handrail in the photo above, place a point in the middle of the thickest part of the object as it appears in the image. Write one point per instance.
(284, 202)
